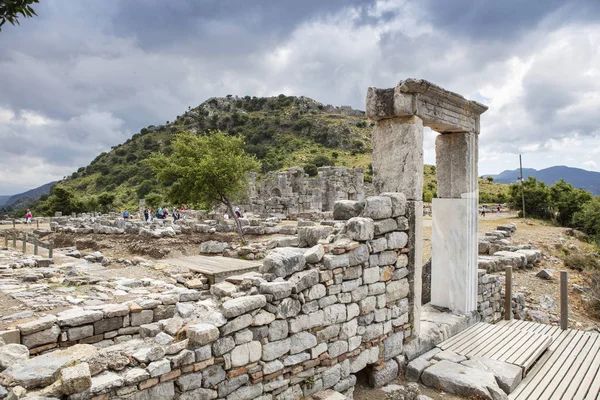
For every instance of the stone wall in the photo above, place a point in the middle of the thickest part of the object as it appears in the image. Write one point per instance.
(294, 193)
(310, 320)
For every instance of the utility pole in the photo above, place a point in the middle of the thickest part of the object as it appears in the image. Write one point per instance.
(521, 179)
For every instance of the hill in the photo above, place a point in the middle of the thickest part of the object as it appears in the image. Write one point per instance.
(282, 132)
(28, 197)
(3, 200)
(580, 178)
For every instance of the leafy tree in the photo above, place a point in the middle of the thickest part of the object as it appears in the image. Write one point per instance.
(153, 200)
(321, 161)
(105, 201)
(567, 200)
(489, 178)
(10, 10)
(208, 170)
(588, 218)
(537, 197)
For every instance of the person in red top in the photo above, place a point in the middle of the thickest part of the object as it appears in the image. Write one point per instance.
(28, 216)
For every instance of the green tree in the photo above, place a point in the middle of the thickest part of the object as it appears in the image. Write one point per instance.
(153, 200)
(588, 218)
(567, 200)
(10, 10)
(208, 170)
(537, 197)
(105, 201)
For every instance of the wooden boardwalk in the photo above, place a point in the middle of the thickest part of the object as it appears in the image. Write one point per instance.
(499, 342)
(216, 268)
(556, 364)
(569, 369)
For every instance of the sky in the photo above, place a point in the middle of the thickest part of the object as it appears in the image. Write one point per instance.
(83, 76)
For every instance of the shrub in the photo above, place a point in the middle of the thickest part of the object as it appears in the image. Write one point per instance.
(311, 169)
(321, 161)
(581, 262)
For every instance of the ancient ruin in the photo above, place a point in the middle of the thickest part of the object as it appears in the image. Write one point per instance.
(293, 192)
(330, 300)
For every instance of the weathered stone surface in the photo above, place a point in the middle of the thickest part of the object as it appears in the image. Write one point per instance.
(309, 236)
(42, 337)
(314, 254)
(508, 376)
(41, 370)
(79, 317)
(199, 394)
(278, 330)
(241, 305)
(462, 380)
(135, 375)
(151, 353)
(389, 372)
(159, 367)
(415, 368)
(273, 350)
(358, 255)
(397, 290)
(288, 308)
(246, 392)
(346, 209)
(284, 261)
(201, 334)
(398, 203)
(396, 240)
(108, 324)
(303, 280)
(106, 381)
(246, 353)
(393, 345)
(544, 274)
(302, 341)
(377, 207)
(12, 353)
(213, 375)
(278, 290)
(359, 228)
(394, 140)
(37, 325)
(232, 384)
(76, 379)
(213, 247)
(241, 322)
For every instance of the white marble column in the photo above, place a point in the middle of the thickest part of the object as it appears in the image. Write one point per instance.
(455, 223)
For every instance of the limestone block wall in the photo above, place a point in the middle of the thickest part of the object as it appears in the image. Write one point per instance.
(310, 320)
(490, 298)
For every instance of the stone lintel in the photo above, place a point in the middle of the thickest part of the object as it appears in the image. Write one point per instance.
(440, 109)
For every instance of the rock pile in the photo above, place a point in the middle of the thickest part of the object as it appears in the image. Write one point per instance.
(496, 251)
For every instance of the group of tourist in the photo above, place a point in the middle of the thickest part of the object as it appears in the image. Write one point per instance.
(238, 214)
(162, 213)
(484, 209)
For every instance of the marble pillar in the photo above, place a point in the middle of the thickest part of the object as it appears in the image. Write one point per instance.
(455, 223)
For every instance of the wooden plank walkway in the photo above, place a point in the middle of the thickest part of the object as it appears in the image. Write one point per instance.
(568, 370)
(216, 268)
(499, 342)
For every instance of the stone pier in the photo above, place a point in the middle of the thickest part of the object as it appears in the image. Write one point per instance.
(401, 113)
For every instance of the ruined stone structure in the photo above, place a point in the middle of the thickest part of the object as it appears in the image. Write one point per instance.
(401, 113)
(293, 192)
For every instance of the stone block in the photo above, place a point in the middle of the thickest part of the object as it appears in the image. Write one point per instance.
(302, 341)
(202, 334)
(361, 229)
(346, 209)
(273, 350)
(331, 261)
(284, 261)
(314, 254)
(37, 325)
(303, 280)
(80, 332)
(12, 353)
(278, 290)
(398, 203)
(241, 305)
(142, 318)
(379, 378)
(42, 337)
(246, 353)
(77, 317)
(377, 207)
(108, 324)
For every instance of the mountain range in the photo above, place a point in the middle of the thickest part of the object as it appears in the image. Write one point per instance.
(580, 178)
(21, 200)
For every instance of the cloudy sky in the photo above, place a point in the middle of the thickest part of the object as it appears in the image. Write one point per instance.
(85, 75)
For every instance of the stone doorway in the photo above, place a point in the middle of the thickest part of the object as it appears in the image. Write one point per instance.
(401, 113)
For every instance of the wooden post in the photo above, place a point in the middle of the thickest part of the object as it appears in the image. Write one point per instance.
(5, 238)
(15, 239)
(37, 221)
(508, 293)
(564, 300)
(35, 244)
(24, 242)
(13, 223)
(50, 245)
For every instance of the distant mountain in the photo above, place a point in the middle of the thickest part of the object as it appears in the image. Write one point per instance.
(3, 200)
(580, 178)
(22, 200)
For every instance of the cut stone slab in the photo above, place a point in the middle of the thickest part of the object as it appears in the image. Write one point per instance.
(544, 274)
(13, 353)
(462, 380)
(450, 356)
(507, 375)
(42, 370)
(415, 368)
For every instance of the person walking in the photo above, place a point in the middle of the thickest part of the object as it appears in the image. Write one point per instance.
(146, 215)
(28, 216)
